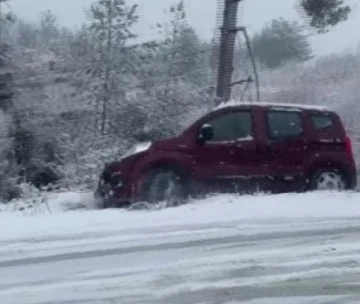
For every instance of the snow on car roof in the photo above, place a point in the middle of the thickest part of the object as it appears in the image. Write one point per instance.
(234, 103)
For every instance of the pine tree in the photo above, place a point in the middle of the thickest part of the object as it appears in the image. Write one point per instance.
(48, 27)
(27, 34)
(324, 14)
(6, 107)
(111, 27)
(6, 64)
(281, 41)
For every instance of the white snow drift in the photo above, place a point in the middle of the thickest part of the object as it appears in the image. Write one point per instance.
(226, 249)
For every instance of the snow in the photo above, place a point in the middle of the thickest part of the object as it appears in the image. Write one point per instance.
(282, 106)
(49, 202)
(291, 248)
(138, 148)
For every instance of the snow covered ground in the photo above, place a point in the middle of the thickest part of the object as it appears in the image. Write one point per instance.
(263, 249)
(49, 202)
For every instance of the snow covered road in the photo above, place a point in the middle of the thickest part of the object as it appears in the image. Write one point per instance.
(264, 249)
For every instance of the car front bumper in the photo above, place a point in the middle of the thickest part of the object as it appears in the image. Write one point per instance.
(111, 197)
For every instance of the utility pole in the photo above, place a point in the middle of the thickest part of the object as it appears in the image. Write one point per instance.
(229, 31)
(227, 46)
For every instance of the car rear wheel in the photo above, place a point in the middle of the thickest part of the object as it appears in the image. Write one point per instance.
(329, 179)
(166, 186)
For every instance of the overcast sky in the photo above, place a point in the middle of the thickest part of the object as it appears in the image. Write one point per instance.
(202, 15)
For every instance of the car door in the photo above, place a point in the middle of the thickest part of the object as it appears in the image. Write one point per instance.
(230, 157)
(287, 143)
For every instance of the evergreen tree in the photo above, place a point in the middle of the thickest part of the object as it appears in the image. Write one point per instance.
(27, 34)
(49, 30)
(111, 27)
(281, 41)
(324, 14)
(6, 107)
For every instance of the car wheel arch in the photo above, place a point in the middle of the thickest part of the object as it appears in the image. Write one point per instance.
(161, 165)
(327, 165)
(169, 165)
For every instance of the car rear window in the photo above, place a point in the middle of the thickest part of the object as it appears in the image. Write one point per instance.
(321, 121)
(284, 124)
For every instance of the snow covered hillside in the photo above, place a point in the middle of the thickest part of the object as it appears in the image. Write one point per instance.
(226, 249)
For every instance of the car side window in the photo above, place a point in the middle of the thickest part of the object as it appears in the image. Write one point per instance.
(232, 126)
(284, 124)
(321, 121)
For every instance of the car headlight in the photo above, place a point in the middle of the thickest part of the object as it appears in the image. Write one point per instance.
(138, 148)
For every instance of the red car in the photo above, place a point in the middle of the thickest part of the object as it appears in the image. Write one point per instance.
(238, 147)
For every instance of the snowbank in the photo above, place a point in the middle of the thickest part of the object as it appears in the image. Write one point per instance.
(49, 202)
(217, 209)
(235, 247)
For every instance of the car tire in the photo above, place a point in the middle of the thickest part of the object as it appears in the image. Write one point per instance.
(328, 179)
(166, 186)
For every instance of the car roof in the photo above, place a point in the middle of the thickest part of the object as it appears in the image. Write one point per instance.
(281, 106)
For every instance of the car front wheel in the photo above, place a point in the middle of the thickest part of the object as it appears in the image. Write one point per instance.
(166, 186)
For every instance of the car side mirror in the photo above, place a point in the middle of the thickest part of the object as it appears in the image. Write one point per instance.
(206, 133)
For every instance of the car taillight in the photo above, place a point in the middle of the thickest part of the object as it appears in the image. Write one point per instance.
(348, 146)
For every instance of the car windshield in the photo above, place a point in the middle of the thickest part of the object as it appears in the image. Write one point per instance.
(188, 119)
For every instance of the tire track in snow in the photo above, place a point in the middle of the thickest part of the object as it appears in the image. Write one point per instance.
(224, 275)
(237, 240)
(205, 260)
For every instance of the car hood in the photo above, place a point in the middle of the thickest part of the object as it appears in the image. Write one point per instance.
(124, 163)
(141, 149)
